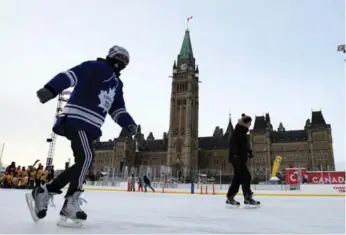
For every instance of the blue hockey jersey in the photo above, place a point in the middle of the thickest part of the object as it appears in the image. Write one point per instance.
(97, 91)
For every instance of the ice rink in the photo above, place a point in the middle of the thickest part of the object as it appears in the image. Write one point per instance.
(124, 212)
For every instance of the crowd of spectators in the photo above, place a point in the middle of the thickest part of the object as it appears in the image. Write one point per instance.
(26, 177)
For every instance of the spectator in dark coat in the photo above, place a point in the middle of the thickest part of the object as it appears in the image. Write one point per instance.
(11, 169)
(147, 183)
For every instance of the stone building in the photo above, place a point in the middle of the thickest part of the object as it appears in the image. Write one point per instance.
(183, 150)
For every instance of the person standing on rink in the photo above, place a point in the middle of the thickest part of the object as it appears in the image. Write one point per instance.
(98, 91)
(239, 154)
(147, 184)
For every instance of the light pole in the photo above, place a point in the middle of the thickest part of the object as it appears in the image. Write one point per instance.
(62, 99)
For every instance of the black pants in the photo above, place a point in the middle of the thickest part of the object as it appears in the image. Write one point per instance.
(31, 183)
(148, 185)
(241, 177)
(81, 144)
(38, 183)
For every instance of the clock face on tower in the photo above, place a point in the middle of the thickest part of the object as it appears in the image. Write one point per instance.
(183, 67)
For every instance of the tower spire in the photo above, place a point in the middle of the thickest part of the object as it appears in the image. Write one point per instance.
(229, 128)
(186, 52)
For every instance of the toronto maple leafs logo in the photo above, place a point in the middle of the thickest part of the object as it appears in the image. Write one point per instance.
(106, 99)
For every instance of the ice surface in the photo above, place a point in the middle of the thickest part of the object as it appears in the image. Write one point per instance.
(124, 212)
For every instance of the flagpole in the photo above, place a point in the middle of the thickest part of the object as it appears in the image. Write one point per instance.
(187, 22)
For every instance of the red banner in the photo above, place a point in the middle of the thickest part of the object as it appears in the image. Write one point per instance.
(326, 177)
(300, 175)
(294, 175)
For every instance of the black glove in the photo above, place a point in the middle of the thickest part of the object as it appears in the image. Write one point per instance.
(132, 129)
(250, 154)
(44, 95)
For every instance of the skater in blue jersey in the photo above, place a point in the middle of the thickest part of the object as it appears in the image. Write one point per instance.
(98, 91)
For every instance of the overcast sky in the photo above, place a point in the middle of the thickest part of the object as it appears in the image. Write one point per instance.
(254, 57)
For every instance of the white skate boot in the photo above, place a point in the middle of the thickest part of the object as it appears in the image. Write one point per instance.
(38, 201)
(71, 215)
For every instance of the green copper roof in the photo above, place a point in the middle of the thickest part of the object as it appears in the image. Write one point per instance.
(186, 48)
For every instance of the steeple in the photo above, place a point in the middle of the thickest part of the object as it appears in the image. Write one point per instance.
(186, 48)
(281, 127)
(150, 136)
(229, 129)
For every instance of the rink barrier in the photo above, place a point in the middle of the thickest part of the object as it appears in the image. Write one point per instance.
(204, 189)
(268, 194)
(260, 190)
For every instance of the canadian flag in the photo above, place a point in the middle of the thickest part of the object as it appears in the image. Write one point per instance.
(189, 18)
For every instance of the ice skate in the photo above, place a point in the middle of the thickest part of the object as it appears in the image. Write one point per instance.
(71, 215)
(38, 201)
(232, 202)
(249, 202)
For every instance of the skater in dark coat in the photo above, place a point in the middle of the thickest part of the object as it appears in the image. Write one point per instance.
(239, 154)
(147, 183)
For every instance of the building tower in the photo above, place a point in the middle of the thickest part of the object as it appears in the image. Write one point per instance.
(183, 128)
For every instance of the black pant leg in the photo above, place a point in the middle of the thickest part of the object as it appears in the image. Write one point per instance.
(246, 180)
(234, 187)
(83, 153)
(84, 156)
(151, 187)
(241, 177)
(37, 183)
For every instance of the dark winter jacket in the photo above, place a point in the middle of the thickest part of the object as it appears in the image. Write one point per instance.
(239, 144)
(146, 180)
(11, 168)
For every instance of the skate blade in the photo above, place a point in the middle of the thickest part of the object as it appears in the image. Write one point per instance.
(70, 223)
(230, 206)
(249, 206)
(30, 202)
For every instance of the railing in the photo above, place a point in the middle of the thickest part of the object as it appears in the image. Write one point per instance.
(162, 173)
